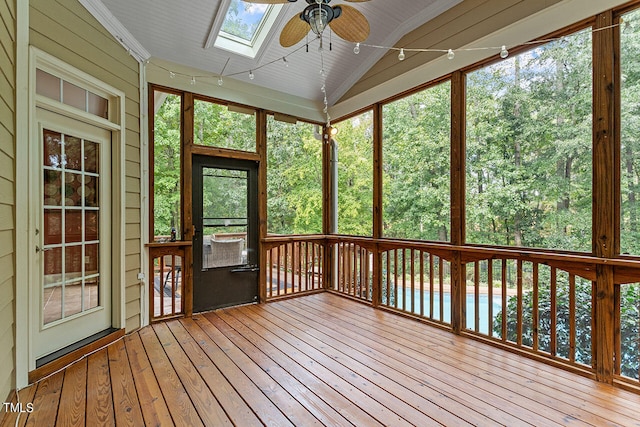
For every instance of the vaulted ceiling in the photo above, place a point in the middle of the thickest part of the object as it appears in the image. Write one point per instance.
(178, 31)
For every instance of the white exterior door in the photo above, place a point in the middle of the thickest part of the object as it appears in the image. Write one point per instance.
(71, 197)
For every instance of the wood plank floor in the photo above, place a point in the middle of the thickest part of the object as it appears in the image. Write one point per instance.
(310, 361)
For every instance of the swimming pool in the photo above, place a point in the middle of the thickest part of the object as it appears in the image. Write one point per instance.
(446, 305)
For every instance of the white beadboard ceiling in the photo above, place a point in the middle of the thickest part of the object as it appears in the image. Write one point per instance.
(177, 31)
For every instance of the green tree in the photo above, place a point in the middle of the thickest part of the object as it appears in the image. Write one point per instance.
(416, 159)
(630, 133)
(166, 165)
(529, 148)
(294, 178)
(355, 175)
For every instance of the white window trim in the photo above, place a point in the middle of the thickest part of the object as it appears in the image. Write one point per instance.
(27, 101)
(250, 49)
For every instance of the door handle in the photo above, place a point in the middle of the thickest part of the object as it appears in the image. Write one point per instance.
(246, 269)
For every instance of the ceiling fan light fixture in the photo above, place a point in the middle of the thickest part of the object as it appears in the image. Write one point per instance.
(318, 17)
(318, 21)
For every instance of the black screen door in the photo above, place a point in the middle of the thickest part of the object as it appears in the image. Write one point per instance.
(225, 242)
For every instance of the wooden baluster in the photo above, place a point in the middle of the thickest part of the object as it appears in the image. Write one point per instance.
(340, 267)
(161, 287)
(321, 270)
(388, 269)
(535, 316)
(572, 318)
(441, 280)
(490, 296)
(279, 258)
(413, 281)
(431, 286)
(297, 248)
(304, 265)
(421, 283)
(395, 278)
(291, 265)
(315, 284)
(357, 282)
(365, 275)
(476, 282)
(504, 299)
(519, 311)
(269, 272)
(554, 311)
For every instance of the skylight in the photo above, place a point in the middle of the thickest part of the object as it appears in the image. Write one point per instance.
(246, 26)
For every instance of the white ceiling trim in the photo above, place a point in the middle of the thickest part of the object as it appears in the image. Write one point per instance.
(233, 90)
(116, 29)
(427, 14)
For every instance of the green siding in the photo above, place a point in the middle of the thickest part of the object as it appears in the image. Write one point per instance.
(7, 194)
(66, 30)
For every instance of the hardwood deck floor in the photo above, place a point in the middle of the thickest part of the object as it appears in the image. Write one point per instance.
(315, 360)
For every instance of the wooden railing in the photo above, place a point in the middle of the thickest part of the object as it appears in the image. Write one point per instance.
(417, 282)
(532, 306)
(353, 270)
(627, 344)
(537, 302)
(540, 303)
(294, 265)
(167, 290)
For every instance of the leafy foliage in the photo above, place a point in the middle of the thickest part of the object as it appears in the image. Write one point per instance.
(355, 175)
(529, 148)
(630, 133)
(294, 178)
(166, 185)
(416, 159)
(629, 322)
(216, 126)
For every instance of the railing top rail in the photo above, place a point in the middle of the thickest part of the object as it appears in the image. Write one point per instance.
(294, 238)
(476, 252)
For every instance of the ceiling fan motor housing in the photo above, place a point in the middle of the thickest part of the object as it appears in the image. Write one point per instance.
(318, 15)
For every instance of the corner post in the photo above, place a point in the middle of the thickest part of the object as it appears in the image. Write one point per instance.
(457, 185)
(376, 292)
(605, 146)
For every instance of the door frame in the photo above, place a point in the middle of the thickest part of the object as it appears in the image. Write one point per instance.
(252, 167)
(28, 213)
(84, 323)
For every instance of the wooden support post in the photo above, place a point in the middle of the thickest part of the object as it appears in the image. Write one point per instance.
(328, 226)
(377, 204)
(261, 146)
(186, 198)
(458, 269)
(604, 193)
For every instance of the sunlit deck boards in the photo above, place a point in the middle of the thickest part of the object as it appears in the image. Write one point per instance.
(316, 360)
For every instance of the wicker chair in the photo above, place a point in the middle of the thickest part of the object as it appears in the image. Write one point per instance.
(224, 253)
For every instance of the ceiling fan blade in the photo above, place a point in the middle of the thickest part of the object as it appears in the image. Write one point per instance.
(351, 25)
(294, 31)
(276, 1)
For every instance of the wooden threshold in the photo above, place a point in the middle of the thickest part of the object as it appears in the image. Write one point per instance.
(71, 356)
(315, 360)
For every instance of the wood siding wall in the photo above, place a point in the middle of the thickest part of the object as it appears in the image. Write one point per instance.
(7, 193)
(66, 30)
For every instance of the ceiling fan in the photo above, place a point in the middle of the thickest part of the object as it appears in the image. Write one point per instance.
(345, 21)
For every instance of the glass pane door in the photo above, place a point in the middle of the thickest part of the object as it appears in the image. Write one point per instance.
(225, 217)
(71, 232)
(225, 241)
(71, 194)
